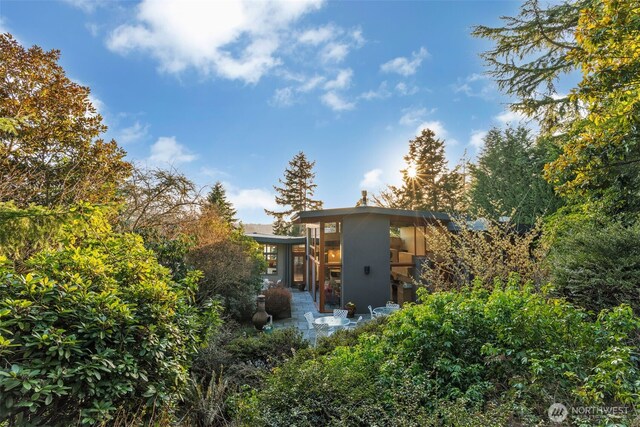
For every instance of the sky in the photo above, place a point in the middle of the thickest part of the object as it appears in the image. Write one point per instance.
(230, 91)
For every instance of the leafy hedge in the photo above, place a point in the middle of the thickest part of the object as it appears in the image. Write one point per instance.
(93, 325)
(505, 354)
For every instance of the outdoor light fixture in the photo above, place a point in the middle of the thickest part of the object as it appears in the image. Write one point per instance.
(367, 269)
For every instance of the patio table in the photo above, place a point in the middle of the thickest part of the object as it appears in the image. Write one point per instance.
(384, 311)
(333, 322)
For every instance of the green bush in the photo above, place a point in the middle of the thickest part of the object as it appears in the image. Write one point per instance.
(507, 353)
(597, 265)
(93, 327)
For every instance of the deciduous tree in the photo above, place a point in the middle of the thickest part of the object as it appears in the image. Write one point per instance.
(51, 152)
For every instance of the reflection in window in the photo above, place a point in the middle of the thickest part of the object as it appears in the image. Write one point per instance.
(271, 256)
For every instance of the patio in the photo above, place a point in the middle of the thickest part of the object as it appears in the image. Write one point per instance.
(301, 303)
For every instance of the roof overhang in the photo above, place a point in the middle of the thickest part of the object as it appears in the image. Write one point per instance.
(276, 240)
(395, 215)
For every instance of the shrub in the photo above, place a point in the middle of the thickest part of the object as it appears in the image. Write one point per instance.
(230, 261)
(508, 353)
(278, 302)
(94, 327)
(597, 265)
(231, 361)
(457, 259)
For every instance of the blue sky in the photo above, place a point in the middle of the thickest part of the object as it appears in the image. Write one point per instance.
(230, 91)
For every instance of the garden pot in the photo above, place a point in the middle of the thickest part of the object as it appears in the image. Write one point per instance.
(260, 318)
(351, 310)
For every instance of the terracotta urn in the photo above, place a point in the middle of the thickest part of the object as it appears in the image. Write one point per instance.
(260, 318)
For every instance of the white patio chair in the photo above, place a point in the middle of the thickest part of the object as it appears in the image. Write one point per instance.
(353, 324)
(309, 316)
(322, 330)
(393, 305)
(340, 313)
(373, 315)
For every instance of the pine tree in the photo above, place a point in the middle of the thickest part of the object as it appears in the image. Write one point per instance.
(296, 193)
(427, 183)
(217, 199)
(507, 178)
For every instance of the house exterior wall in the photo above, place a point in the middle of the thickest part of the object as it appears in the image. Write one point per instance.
(283, 266)
(365, 242)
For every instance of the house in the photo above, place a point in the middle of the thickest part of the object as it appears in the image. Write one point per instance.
(284, 256)
(366, 255)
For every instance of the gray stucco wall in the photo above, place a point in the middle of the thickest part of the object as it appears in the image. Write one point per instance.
(365, 241)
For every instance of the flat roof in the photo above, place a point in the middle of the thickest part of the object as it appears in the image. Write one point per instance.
(400, 215)
(276, 239)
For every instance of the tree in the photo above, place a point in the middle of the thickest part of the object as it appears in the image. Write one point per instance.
(158, 201)
(217, 199)
(51, 153)
(230, 261)
(531, 55)
(296, 193)
(595, 126)
(427, 183)
(600, 159)
(507, 178)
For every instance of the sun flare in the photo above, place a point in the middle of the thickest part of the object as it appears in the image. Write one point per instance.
(412, 172)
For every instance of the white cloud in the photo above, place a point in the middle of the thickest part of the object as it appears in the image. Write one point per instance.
(404, 89)
(357, 37)
(311, 83)
(342, 80)
(334, 52)
(250, 198)
(372, 180)
(404, 66)
(283, 97)
(336, 102)
(237, 40)
(412, 116)
(93, 28)
(133, 133)
(477, 139)
(381, 93)
(318, 35)
(510, 117)
(168, 150)
(86, 5)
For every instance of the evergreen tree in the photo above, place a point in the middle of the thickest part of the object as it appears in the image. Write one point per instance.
(217, 199)
(280, 226)
(507, 178)
(531, 53)
(296, 194)
(427, 183)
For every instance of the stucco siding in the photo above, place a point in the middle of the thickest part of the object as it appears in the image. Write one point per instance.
(365, 242)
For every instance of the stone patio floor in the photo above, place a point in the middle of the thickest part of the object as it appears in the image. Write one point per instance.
(301, 303)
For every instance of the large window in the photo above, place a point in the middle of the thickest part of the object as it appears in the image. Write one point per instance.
(271, 256)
